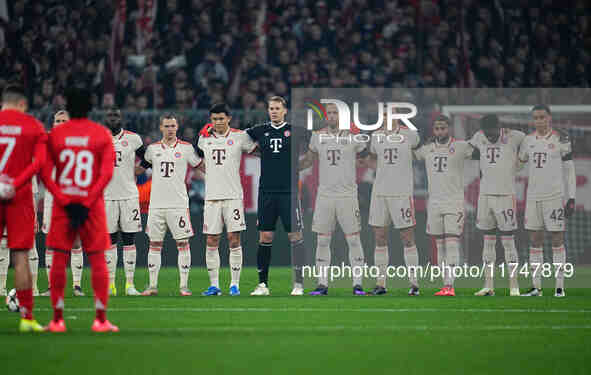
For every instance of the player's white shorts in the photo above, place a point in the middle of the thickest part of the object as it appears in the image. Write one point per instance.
(124, 216)
(328, 211)
(548, 214)
(177, 220)
(384, 211)
(496, 211)
(226, 211)
(445, 218)
(47, 207)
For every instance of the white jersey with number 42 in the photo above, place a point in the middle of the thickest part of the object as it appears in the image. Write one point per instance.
(169, 169)
(122, 185)
(222, 156)
(498, 161)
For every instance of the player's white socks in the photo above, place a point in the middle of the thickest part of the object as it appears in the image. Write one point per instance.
(236, 265)
(76, 264)
(511, 259)
(4, 262)
(536, 258)
(212, 261)
(356, 257)
(184, 261)
(34, 265)
(411, 258)
(48, 261)
(452, 259)
(154, 263)
(129, 259)
(441, 257)
(111, 258)
(489, 255)
(559, 257)
(323, 257)
(381, 260)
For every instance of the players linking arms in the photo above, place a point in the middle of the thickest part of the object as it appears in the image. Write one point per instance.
(549, 155)
(337, 201)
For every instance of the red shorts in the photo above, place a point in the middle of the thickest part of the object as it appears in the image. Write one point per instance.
(93, 233)
(18, 217)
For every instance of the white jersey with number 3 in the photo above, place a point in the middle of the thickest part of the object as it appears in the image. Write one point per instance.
(222, 156)
(498, 161)
(122, 185)
(169, 169)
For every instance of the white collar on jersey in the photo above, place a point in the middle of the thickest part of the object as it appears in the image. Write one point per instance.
(215, 135)
(119, 135)
(165, 146)
(446, 144)
(547, 135)
(278, 126)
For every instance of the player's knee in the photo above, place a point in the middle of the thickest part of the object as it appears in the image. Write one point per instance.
(323, 240)
(294, 236)
(234, 240)
(536, 238)
(490, 232)
(213, 240)
(408, 237)
(266, 237)
(353, 240)
(128, 239)
(380, 236)
(182, 244)
(114, 238)
(557, 239)
(157, 244)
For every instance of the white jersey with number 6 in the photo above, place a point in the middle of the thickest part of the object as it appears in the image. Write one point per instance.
(169, 169)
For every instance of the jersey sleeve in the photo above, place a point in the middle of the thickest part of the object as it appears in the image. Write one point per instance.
(148, 154)
(566, 147)
(420, 153)
(467, 150)
(523, 155)
(39, 156)
(372, 145)
(416, 139)
(247, 144)
(193, 159)
(137, 142)
(313, 146)
(517, 137)
(360, 146)
(107, 167)
(253, 133)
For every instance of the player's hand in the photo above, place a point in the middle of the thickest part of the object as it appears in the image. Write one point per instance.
(7, 190)
(77, 213)
(569, 208)
(206, 130)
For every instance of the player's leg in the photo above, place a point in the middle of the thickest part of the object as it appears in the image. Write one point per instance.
(129, 262)
(379, 220)
(554, 221)
(130, 224)
(77, 265)
(402, 213)
(113, 211)
(179, 224)
(4, 262)
(349, 218)
(58, 286)
(506, 217)
(48, 253)
(290, 212)
(213, 225)
(34, 266)
(453, 226)
(235, 261)
(156, 230)
(267, 216)
(323, 223)
(486, 222)
(435, 228)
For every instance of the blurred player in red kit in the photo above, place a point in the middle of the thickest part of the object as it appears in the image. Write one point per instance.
(22, 153)
(83, 155)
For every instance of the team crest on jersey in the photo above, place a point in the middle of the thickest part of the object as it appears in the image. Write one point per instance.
(287, 133)
(551, 146)
(230, 142)
(177, 155)
(452, 150)
(124, 143)
(266, 134)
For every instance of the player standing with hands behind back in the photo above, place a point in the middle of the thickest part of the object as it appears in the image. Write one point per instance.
(22, 150)
(83, 156)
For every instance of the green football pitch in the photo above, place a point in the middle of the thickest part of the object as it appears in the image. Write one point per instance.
(338, 334)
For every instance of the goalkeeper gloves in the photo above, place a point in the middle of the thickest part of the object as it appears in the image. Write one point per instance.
(77, 213)
(569, 208)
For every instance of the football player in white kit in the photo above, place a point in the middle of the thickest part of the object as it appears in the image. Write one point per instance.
(392, 200)
(221, 149)
(122, 201)
(550, 157)
(76, 257)
(444, 162)
(337, 152)
(497, 150)
(169, 202)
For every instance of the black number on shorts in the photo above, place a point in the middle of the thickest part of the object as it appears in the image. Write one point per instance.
(136, 214)
(508, 214)
(557, 215)
(236, 214)
(182, 223)
(460, 216)
(406, 214)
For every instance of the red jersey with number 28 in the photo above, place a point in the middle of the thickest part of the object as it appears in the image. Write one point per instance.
(83, 155)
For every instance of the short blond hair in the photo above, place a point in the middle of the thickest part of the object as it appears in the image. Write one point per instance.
(279, 99)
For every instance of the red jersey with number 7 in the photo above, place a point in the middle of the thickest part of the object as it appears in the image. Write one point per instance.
(83, 156)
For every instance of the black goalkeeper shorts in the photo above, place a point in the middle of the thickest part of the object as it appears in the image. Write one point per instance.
(272, 206)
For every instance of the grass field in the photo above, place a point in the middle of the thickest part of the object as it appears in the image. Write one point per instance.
(339, 334)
